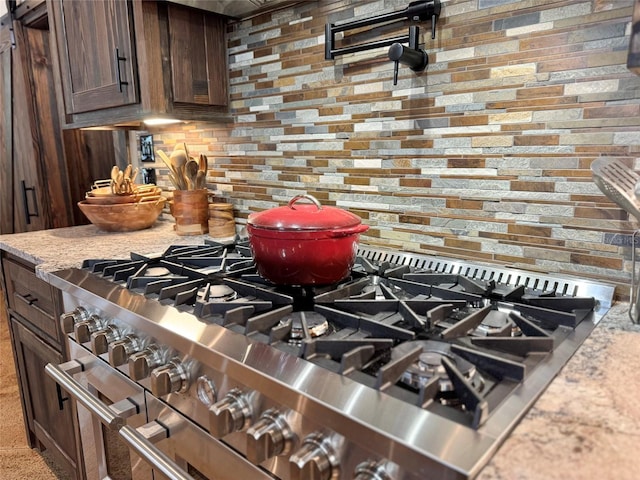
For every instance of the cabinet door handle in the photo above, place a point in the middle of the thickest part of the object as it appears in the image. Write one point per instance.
(118, 72)
(27, 213)
(61, 398)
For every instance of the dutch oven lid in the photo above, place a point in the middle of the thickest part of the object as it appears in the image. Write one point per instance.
(304, 216)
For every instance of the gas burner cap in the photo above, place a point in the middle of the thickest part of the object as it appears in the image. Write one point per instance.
(317, 325)
(157, 272)
(221, 293)
(429, 360)
(429, 364)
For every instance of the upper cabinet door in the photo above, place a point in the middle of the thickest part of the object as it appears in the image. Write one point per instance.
(198, 53)
(97, 54)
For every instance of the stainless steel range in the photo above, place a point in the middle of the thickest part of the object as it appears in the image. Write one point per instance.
(413, 367)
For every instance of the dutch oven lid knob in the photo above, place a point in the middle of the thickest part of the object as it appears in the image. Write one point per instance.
(311, 198)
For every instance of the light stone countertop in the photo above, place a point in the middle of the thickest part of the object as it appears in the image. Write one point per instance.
(62, 248)
(586, 425)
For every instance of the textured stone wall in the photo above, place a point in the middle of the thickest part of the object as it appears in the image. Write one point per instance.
(485, 155)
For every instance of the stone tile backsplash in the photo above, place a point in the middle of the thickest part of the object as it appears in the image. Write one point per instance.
(485, 155)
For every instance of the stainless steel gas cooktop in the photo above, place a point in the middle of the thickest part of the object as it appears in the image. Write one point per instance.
(413, 367)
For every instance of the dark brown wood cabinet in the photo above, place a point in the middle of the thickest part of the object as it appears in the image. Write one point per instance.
(45, 170)
(33, 312)
(50, 420)
(198, 57)
(34, 183)
(122, 61)
(97, 61)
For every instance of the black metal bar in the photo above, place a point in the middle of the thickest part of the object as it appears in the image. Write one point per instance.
(391, 372)
(387, 17)
(416, 11)
(420, 10)
(61, 398)
(118, 72)
(329, 41)
(462, 327)
(472, 400)
(495, 365)
(27, 212)
(338, 348)
(355, 359)
(434, 20)
(369, 46)
(521, 346)
(414, 36)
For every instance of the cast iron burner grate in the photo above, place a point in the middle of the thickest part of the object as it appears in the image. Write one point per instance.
(447, 336)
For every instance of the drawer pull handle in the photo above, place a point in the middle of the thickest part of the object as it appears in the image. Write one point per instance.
(31, 302)
(61, 398)
(29, 299)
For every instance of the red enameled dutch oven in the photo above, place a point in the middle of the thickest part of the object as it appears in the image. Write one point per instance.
(304, 243)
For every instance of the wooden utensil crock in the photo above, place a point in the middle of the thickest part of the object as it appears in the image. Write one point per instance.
(191, 211)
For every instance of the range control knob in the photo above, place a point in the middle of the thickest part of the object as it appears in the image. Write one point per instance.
(84, 329)
(231, 414)
(68, 320)
(120, 350)
(141, 363)
(315, 460)
(169, 378)
(101, 339)
(268, 437)
(371, 470)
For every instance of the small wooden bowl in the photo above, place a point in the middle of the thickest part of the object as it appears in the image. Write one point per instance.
(123, 217)
(109, 200)
(104, 196)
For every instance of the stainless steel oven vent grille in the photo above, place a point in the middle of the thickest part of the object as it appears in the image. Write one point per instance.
(564, 285)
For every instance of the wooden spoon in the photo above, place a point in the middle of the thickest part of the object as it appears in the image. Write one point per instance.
(114, 178)
(201, 179)
(164, 158)
(173, 177)
(190, 173)
(119, 182)
(178, 161)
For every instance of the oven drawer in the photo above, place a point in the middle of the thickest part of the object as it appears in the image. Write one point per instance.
(32, 298)
(106, 401)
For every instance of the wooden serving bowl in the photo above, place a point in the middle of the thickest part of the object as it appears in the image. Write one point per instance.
(123, 217)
